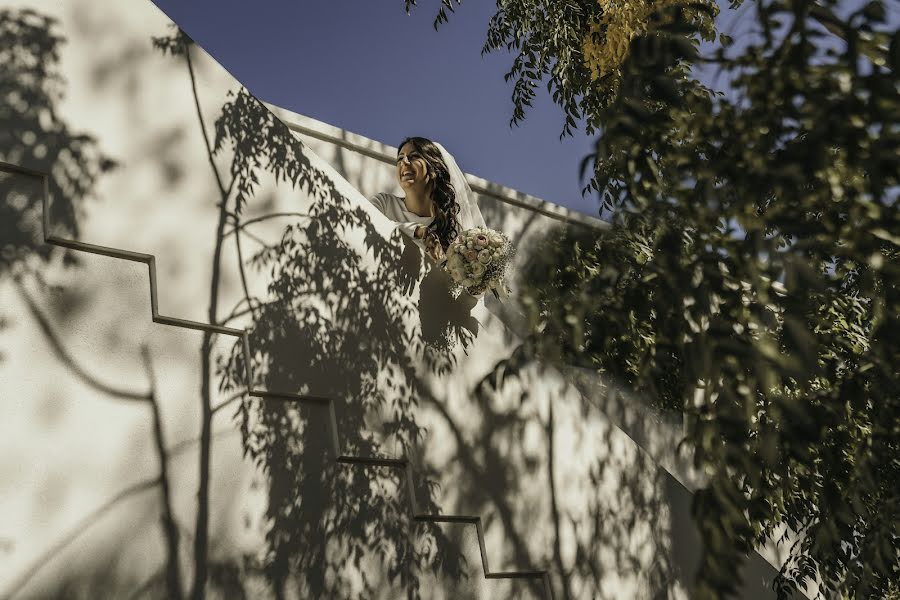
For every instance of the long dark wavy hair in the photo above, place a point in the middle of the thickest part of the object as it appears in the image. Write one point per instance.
(446, 223)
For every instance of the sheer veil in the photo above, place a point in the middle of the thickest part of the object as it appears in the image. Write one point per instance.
(469, 214)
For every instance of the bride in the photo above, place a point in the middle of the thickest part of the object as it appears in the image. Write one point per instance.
(438, 203)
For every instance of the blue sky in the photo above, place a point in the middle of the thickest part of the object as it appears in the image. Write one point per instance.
(368, 67)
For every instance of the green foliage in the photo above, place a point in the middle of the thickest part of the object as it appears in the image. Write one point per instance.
(442, 17)
(547, 38)
(750, 276)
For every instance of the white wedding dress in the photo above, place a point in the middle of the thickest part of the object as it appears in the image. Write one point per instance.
(469, 217)
(394, 207)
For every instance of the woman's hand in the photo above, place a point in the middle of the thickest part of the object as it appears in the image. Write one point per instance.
(432, 243)
(433, 247)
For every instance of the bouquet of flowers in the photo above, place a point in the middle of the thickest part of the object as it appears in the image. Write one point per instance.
(477, 261)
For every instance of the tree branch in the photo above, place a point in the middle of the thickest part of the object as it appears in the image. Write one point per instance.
(835, 26)
(183, 445)
(89, 520)
(234, 312)
(265, 218)
(256, 239)
(557, 548)
(228, 401)
(169, 527)
(469, 462)
(201, 532)
(243, 274)
(67, 359)
(19, 584)
(209, 149)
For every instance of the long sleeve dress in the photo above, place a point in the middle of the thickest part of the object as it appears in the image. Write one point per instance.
(394, 208)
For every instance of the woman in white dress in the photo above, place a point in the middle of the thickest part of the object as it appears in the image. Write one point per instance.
(438, 203)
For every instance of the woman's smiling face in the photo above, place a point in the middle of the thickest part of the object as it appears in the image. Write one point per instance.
(411, 167)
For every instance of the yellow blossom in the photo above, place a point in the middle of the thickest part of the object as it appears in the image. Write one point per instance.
(606, 44)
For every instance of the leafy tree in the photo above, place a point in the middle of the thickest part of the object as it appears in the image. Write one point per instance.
(750, 276)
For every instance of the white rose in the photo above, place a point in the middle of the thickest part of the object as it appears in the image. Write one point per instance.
(477, 270)
(484, 257)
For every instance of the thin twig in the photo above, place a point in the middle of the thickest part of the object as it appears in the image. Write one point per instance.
(228, 401)
(151, 581)
(183, 445)
(235, 315)
(256, 238)
(227, 193)
(169, 527)
(146, 586)
(266, 218)
(172, 451)
(73, 534)
(468, 461)
(557, 548)
(209, 149)
(243, 274)
(201, 529)
(68, 359)
(233, 311)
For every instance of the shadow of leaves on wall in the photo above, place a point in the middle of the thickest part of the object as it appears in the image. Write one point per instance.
(333, 325)
(608, 507)
(33, 135)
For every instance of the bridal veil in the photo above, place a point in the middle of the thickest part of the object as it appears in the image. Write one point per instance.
(469, 213)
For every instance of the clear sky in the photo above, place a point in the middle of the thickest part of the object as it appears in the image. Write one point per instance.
(365, 66)
(368, 67)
